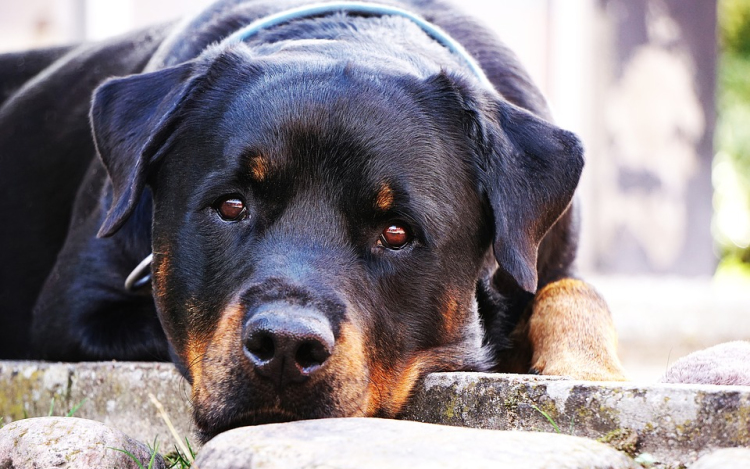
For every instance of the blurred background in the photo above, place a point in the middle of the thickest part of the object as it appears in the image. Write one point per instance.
(659, 91)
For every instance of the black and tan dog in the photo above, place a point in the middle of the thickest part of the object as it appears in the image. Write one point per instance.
(339, 200)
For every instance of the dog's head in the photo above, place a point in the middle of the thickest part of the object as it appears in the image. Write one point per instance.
(319, 229)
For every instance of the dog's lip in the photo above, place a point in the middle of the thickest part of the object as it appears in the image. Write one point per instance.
(246, 418)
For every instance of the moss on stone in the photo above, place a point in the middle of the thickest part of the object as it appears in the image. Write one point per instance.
(622, 439)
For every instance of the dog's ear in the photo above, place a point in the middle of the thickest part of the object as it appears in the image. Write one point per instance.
(529, 172)
(132, 120)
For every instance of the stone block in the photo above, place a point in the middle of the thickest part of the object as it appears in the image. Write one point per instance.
(114, 393)
(376, 443)
(675, 423)
(70, 443)
(732, 458)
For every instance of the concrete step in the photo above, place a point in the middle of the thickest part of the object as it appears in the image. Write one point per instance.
(114, 393)
(675, 424)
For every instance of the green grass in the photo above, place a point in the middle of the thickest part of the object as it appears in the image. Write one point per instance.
(51, 412)
(178, 460)
(75, 408)
(153, 449)
(175, 459)
(546, 415)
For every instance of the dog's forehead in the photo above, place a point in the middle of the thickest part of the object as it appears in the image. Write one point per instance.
(308, 116)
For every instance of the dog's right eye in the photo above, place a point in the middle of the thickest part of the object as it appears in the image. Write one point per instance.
(395, 237)
(231, 208)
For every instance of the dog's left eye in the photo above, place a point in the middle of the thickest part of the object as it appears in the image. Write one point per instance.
(231, 208)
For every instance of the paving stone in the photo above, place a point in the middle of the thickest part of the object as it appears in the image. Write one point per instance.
(675, 423)
(725, 364)
(69, 443)
(731, 458)
(114, 393)
(377, 443)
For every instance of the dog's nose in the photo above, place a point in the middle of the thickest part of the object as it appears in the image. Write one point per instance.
(287, 343)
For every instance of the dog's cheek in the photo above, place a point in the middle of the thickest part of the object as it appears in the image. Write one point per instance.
(171, 313)
(393, 379)
(348, 373)
(215, 362)
(452, 314)
(392, 388)
(394, 367)
(164, 297)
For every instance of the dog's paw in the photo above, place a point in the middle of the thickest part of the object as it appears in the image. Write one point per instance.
(572, 333)
(580, 368)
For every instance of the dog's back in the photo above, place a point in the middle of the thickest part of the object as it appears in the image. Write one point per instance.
(45, 150)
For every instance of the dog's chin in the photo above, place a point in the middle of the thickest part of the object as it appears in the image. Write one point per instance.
(206, 431)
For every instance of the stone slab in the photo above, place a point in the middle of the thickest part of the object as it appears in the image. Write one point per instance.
(674, 423)
(71, 443)
(732, 458)
(113, 393)
(375, 443)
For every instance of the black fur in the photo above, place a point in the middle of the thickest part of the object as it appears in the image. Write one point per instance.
(479, 177)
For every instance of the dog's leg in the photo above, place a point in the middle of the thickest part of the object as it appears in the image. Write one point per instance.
(571, 333)
(566, 330)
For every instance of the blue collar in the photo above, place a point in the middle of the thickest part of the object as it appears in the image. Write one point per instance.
(318, 9)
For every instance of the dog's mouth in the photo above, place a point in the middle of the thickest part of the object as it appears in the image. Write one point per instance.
(207, 430)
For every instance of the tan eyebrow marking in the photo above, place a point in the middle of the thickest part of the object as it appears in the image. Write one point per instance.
(259, 168)
(384, 199)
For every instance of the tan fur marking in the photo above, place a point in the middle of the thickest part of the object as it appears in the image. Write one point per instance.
(391, 389)
(196, 349)
(161, 268)
(375, 390)
(572, 333)
(404, 385)
(223, 344)
(384, 199)
(349, 363)
(195, 344)
(451, 322)
(259, 168)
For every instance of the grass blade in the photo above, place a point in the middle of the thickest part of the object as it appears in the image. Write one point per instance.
(124, 451)
(163, 413)
(557, 429)
(75, 408)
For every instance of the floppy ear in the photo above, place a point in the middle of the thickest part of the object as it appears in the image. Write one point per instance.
(132, 120)
(531, 169)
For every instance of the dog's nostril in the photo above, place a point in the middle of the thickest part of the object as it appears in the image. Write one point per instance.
(260, 345)
(310, 355)
(266, 348)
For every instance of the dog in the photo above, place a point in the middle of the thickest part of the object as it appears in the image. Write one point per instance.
(332, 200)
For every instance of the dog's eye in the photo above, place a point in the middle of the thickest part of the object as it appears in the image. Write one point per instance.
(231, 208)
(394, 237)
